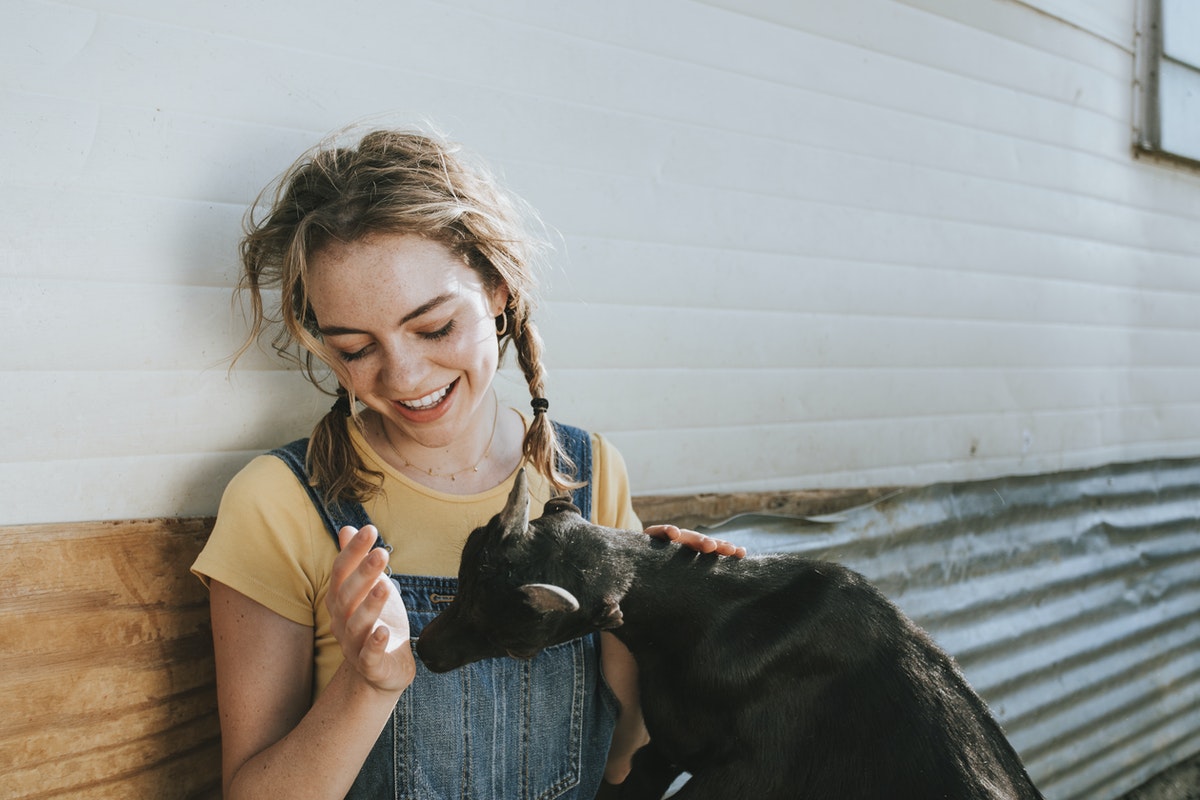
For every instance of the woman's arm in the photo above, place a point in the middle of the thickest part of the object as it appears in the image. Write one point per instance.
(274, 742)
(620, 671)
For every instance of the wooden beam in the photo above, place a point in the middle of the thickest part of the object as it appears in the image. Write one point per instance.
(698, 510)
(106, 672)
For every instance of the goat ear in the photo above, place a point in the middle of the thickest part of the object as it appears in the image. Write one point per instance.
(546, 598)
(514, 519)
(561, 502)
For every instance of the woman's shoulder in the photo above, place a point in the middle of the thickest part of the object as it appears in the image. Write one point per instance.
(264, 472)
(268, 539)
(263, 487)
(267, 495)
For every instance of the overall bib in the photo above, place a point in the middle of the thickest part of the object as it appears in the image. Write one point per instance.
(498, 729)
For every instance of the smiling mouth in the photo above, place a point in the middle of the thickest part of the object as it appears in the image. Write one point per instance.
(428, 401)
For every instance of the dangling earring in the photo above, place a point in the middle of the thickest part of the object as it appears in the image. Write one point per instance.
(502, 324)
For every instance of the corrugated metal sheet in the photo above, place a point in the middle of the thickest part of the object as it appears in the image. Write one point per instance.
(1071, 601)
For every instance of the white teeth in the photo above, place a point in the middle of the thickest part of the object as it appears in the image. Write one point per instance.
(428, 401)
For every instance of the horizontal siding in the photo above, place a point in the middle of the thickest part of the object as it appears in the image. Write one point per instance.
(1094, 33)
(764, 340)
(189, 484)
(910, 452)
(119, 327)
(117, 237)
(779, 281)
(851, 244)
(777, 396)
(159, 413)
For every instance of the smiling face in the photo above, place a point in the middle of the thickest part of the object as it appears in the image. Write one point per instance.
(413, 328)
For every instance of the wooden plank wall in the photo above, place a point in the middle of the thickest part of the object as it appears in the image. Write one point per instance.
(106, 671)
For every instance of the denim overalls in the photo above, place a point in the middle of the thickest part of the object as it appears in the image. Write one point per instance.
(498, 729)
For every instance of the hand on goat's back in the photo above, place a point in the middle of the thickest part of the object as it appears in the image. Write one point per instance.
(695, 540)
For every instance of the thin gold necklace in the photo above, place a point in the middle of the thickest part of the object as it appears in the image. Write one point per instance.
(475, 467)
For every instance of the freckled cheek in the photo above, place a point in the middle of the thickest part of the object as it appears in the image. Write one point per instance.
(363, 379)
(347, 372)
(479, 346)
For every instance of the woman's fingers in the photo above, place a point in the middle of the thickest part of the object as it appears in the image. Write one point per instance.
(364, 615)
(385, 657)
(356, 569)
(367, 613)
(695, 540)
(358, 588)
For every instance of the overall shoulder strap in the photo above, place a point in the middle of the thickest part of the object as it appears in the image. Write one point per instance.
(335, 515)
(578, 445)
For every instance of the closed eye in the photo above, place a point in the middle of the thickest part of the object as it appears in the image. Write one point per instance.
(440, 333)
(354, 356)
(432, 336)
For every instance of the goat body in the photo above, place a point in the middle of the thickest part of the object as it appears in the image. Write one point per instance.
(764, 677)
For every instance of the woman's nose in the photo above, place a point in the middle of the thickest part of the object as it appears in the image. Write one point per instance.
(403, 369)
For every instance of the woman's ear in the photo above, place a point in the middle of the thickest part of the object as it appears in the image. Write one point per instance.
(499, 300)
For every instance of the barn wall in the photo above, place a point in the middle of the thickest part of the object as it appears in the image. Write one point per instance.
(801, 245)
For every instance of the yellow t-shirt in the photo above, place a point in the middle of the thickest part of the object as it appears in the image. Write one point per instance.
(270, 544)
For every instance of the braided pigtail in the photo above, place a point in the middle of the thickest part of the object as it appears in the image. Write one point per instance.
(333, 464)
(542, 448)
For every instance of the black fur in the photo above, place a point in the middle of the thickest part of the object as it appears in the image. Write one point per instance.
(765, 677)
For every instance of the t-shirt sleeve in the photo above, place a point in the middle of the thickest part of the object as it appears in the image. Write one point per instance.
(264, 539)
(612, 501)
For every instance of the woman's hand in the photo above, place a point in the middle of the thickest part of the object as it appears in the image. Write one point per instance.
(695, 540)
(368, 617)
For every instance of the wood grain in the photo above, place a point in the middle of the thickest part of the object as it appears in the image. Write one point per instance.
(106, 671)
(712, 508)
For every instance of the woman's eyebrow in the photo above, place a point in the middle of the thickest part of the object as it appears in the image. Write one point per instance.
(421, 310)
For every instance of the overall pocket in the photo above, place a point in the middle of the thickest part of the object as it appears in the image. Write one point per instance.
(496, 728)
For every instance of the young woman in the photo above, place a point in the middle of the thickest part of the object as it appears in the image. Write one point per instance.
(403, 272)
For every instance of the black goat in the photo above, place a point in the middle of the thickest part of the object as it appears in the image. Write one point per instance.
(764, 677)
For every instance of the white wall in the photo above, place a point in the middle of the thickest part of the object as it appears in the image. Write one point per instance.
(805, 244)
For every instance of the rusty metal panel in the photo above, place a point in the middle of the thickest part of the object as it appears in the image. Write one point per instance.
(1071, 601)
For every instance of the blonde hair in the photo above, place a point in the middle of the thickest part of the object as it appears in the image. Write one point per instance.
(390, 182)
